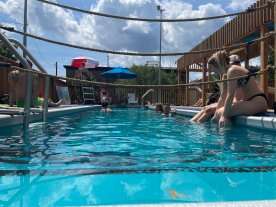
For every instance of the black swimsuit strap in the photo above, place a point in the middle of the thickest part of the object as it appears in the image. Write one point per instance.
(256, 95)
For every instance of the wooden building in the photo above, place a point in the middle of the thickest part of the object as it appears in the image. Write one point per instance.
(244, 28)
(91, 74)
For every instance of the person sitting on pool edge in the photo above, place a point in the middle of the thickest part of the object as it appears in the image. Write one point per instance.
(208, 111)
(253, 99)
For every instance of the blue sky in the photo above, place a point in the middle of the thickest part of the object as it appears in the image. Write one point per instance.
(99, 32)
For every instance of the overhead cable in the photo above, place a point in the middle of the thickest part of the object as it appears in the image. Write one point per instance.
(238, 45)
(154, 20)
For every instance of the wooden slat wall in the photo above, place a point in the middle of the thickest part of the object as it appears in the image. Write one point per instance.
(4, 86)
(171, 95)
(238, 28)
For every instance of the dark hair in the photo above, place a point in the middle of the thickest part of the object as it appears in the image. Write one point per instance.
(159, 107)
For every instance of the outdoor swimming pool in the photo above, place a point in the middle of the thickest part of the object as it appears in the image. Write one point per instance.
(134, 156)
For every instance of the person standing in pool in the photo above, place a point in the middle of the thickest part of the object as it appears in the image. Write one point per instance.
(105, 102)
(254, 100)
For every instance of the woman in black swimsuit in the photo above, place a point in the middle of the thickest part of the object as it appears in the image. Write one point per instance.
(254, 100)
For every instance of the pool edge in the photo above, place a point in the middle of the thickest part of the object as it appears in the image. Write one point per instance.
(7, 120)
(265, 203)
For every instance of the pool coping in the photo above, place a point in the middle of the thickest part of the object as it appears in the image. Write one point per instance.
(265, 203)
(7, 120)
(262, 122)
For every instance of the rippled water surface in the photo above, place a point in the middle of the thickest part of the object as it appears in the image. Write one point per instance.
(134, 149)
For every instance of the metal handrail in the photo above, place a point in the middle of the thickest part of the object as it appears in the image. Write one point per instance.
(145, 94)
(30, 56)
(8, 44)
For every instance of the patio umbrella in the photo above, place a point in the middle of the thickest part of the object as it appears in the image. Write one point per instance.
(119, 73)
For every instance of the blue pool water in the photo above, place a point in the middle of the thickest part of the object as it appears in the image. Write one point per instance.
(133, 156)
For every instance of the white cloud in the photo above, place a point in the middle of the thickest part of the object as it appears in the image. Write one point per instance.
(241, 5)
(255, 61)
(183, 36)
(112, 34)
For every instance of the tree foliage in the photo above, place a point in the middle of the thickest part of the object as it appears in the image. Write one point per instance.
(149, 76)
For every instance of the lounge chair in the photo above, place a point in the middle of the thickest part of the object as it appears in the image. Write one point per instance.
(132, 99)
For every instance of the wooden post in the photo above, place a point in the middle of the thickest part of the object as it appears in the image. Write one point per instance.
(264, 60)
(178, 93)
(204, 86)
(209, 78)
(246, 61)
(28, 100)
(187, 98)
(178, 75)
(274, 52)
(46, 96)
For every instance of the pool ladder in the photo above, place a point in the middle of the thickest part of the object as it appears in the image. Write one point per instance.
(88, 95)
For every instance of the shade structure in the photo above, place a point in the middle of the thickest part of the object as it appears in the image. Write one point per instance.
(119, 73)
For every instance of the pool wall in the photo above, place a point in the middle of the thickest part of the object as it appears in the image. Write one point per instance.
(222, 204)
(7, 120)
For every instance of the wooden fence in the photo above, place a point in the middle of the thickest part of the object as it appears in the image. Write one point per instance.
(119, 95)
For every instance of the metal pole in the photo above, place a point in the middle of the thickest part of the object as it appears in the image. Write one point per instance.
(28, 100)
(160, 49)
(107, 60)
(56, 68)
(46, 96)
(160, 52)
(25, 22)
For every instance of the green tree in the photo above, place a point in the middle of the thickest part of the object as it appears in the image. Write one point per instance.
(149, 76)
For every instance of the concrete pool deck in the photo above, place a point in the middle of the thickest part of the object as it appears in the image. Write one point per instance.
(263, 122)
(8, 120)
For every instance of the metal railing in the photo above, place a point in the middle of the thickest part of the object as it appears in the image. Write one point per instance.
(28, 91)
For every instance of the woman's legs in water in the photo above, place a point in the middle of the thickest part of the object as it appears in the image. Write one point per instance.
(205, 114)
